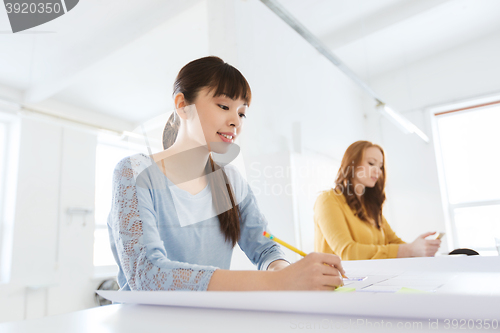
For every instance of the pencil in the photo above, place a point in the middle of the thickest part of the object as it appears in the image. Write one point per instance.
(288, 246)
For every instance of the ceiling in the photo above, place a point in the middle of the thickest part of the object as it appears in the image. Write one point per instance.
(119, 58)
(374, 37)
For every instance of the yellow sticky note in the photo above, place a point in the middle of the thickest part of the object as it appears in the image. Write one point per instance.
(405, 290)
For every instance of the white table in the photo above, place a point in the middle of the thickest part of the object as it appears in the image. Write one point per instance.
(126, 318)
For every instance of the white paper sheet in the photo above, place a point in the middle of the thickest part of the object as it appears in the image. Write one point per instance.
(466, 288)
(464, 275)
(423, 306)
(428, 283)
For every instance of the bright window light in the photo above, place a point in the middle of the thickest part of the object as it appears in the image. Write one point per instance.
(2, 164)
(107, 157)
(2, 189)
(476, 226)
(469, 145)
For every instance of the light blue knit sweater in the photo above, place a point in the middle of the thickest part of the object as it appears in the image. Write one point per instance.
(164, 238)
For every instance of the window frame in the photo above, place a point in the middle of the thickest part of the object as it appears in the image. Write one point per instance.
(469, 105)
(3, 177)
(8, 167)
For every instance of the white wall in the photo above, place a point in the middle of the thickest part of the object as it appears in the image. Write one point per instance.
(471, 70)
(51, 253)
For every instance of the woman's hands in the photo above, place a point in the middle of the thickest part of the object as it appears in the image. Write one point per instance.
(316, 271)
(420, 247)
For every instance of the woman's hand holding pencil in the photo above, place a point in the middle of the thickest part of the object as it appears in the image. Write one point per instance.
(316, 271)
(311, 273)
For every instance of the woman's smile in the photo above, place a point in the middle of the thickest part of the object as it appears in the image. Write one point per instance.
(226, 137)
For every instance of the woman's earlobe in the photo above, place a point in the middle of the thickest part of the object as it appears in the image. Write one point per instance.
(188, 111)
(181, 112)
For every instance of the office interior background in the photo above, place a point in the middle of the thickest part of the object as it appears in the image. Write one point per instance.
(81, 92)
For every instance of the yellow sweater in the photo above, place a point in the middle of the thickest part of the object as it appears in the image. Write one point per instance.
(337, 230)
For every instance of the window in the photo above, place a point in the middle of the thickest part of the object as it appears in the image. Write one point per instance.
(468, 141)
(9, 147)
(108, 153)
(3, 147)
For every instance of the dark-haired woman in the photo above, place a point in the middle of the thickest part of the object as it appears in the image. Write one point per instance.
(348, 218)
(176, 215)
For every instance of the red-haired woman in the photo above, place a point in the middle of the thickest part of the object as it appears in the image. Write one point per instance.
(348, 219)
(177, 215)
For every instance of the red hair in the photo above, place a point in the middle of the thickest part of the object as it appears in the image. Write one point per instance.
(369, 209)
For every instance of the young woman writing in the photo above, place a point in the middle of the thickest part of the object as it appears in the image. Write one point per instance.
(176, 215)
(348, 219)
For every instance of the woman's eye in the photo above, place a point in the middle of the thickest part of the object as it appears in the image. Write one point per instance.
(371, 163)
(242, 115)
(223, 107)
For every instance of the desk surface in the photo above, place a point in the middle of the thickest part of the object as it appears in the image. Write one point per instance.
(126, 318)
